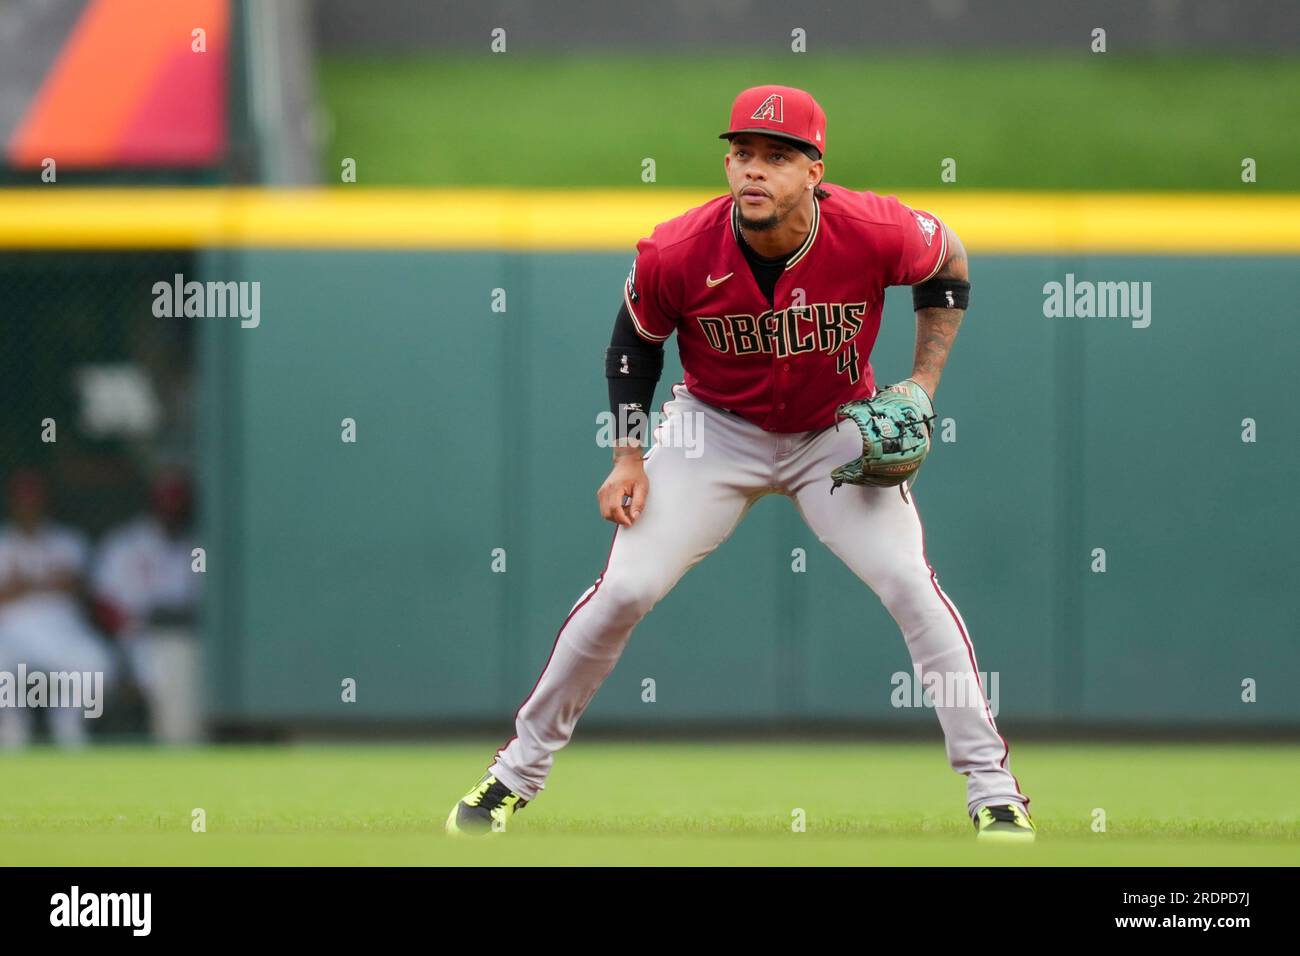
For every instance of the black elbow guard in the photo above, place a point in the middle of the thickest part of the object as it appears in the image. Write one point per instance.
(630, 362)
(941, 294)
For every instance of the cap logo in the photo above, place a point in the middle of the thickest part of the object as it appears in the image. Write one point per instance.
(770, 109)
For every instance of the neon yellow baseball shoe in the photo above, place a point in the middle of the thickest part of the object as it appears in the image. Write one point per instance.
(485, 809)
(1006, 823)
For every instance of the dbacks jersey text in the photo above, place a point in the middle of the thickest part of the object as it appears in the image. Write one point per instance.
(784, 365)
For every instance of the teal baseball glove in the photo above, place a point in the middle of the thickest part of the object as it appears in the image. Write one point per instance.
(896, 425)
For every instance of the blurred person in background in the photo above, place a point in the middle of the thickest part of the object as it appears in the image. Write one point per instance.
(147, 594)
(42, 618)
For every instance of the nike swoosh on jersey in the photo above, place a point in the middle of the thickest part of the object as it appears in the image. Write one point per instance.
(711, 282)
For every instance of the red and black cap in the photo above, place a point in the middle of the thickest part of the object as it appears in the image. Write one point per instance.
(780, 111)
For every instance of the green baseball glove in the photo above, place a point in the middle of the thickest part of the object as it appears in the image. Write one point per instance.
(896, 425)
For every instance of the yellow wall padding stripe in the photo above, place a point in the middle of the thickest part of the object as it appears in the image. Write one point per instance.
(57, 217)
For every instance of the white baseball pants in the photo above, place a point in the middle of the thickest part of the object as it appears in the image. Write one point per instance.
(57, 646)
(693, 505)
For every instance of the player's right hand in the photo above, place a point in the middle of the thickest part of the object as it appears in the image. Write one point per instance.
(622, 496)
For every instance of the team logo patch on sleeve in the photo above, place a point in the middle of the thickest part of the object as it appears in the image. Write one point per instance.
(631, 284)
(928, 226)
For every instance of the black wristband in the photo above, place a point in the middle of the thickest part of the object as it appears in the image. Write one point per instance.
(941, 294)
(623, 361)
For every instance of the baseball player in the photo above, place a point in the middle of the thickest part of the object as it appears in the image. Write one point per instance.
(775, 293)
(148, 597)
(42, 625)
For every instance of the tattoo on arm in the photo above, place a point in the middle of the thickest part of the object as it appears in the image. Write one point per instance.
(955, 266)
(936, 328)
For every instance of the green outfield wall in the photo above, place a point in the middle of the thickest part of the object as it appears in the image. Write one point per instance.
(476, 431)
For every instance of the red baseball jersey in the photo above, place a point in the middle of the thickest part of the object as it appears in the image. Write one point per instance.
(785, 366)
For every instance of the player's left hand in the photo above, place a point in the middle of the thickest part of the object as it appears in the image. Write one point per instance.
(895, 424)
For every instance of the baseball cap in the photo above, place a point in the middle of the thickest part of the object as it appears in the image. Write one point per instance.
(781, 111)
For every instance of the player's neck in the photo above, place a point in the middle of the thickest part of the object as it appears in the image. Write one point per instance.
(787, 236)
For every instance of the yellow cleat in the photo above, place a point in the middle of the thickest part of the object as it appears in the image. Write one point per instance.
(1006, 823)
(485, 809)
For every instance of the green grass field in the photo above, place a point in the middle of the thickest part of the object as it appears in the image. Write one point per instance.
(646, 804)
(1066, 122)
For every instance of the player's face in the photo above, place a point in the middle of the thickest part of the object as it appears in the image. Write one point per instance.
(27, 504)
(768, 178)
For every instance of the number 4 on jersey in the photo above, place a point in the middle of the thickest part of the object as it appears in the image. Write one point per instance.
(847, 361)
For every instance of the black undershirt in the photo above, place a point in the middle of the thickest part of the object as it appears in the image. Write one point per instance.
(766, 270)
(640, 391)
